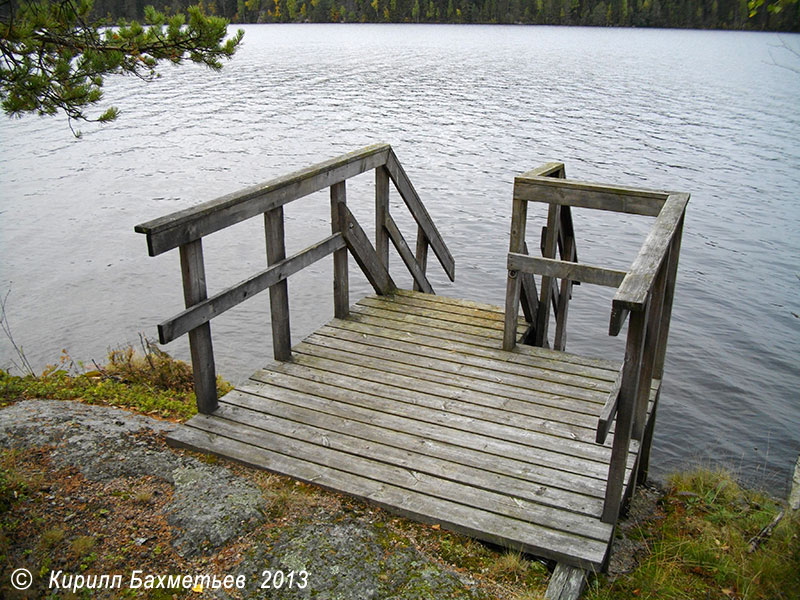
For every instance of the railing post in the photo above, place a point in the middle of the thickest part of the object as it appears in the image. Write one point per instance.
(421, 254)
(529, 298)
(650, 348)
(669, 292)
(548, 251)
(193, 273)
(381, 212)
(560, 339)
(629, 392)
(341, 282)
(279, 292)
(519, 218)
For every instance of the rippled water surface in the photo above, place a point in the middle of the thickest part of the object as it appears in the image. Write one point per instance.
(466, 108)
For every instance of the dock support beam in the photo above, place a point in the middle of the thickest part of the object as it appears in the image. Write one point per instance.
(566, 583)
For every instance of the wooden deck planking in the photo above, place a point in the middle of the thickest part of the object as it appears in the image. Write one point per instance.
(411, 404)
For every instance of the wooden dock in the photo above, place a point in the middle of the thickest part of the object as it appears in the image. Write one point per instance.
(409, 403)
(444, 410)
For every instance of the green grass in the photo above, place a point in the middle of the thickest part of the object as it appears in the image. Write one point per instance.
(150, 382)
(699, 546)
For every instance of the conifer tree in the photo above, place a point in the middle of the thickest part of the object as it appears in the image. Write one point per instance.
(55, 58)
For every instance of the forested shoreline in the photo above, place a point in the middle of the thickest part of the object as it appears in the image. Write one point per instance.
(695, 14)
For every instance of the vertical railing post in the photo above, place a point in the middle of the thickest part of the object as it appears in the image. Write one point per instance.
(628, 393)
(650, 347)
(671, 270)
(560, 339)
(669, 292)
(193, 273)
(341, 285)
(548, 251)
(519, 218)
(278, 293)
(381, 212)
(421, 254)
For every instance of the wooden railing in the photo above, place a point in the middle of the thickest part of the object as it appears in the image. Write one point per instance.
(185, 229)
(559, 236)
(645, 293)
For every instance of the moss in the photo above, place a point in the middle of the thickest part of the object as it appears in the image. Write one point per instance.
(698, 546)
(151, 382)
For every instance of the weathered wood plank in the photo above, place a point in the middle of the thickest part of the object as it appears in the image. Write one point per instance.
(399, 242)
(192, 223)
(556, 191)
(193, 273)
(563, 269)
(420, 214)
(403, 298)
(341, 275)
(583, 457)
(493, 528)
(452, 302)
(360, 247)
(454, 370)
(495, 364)
(492, 455)
(204, 311)
(635, 289)
(385, 312)
(468, 345)
(563, 417)
(359, 458)
(448, 318)
(539, 412)
(409, 449)
(385, 308)
(278, 292)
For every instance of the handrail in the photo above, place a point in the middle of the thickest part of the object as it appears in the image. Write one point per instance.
(186, 228)
(181, 227)
(636, 287)
(645, 293)
(564, 269)
(564, 192)
(204, 311)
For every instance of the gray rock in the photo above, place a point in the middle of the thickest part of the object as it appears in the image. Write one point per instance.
(346, 557)
(211, 505)
(350, 559)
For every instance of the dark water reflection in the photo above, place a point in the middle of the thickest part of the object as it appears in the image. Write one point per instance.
(466, 109)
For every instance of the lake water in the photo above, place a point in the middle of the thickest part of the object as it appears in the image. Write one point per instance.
(466, 108)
